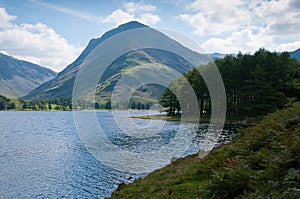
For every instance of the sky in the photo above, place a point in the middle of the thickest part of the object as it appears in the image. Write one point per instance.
(54, 33)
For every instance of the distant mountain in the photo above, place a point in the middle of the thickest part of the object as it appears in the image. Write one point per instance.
(296, 54)
(216, 56)
(136, 60)
(18, 78)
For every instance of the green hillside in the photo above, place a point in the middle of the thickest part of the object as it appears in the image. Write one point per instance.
(18, 77)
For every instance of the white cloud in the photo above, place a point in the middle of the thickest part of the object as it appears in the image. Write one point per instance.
(240, 25)
(148, 18)
(133, 7)
(292, 46)
(37, 43)
(5, 19)
(133, 11)
(118, 17)
(242, 41)
(281, 17)
(216, 17)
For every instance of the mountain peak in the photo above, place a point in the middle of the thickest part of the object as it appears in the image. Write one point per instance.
(121, 28)
(95, 42)
(62, 85)
(131, 25)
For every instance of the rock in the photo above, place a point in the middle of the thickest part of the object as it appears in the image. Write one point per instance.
(173, 159)
(202, 154)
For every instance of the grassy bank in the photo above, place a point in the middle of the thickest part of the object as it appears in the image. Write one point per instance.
(263, 162)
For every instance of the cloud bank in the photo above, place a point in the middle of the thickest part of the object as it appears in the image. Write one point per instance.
(241, 25)
(133, 11)
(36, 43)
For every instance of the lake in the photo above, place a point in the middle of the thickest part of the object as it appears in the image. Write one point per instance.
(42, 154)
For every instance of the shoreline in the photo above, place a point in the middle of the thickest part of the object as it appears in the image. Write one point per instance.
(202, 120)
(230, 165)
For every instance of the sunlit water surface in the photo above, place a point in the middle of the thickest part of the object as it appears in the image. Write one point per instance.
(42, 156)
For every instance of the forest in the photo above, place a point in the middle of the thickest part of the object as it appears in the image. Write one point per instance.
(61, 104)
(58, 104)
(255, 84)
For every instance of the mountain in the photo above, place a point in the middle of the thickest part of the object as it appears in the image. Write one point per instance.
(296, 54)
(18, 78)
(135, 61)
(216, 56)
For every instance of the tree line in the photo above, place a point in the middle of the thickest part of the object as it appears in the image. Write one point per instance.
(62, 104)
(4, 103)
(132, 105)
(255, 84)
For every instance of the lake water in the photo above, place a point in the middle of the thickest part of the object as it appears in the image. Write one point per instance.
(42, 155)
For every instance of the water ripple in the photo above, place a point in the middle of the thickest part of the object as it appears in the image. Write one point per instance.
(41, 155)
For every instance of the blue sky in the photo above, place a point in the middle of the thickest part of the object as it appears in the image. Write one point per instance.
(53, 33)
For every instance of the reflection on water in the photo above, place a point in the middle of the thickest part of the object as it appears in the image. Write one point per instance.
(41, 155)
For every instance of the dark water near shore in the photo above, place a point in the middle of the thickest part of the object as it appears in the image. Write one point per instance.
(42, 156)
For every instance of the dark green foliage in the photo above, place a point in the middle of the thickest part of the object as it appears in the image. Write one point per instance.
(263, 163)
(11, 106)
(42, 105)
(108, 105)
(169, 100)
(133, 105)
(139, 106)
(63, 104)
(255, 84)
(97, 105)
(4, 102)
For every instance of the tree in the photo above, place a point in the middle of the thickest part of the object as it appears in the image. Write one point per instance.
(97, 105)
(169, 101)
(132, 105)
(255, 84)
(108, 105)
(139, 106)
(148, 106)
(11, 106)
(49, 106)
(4, 102)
